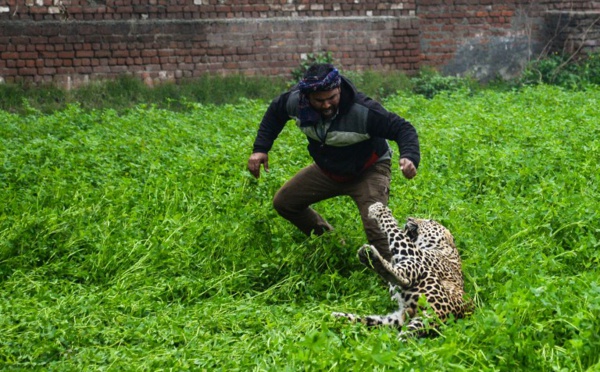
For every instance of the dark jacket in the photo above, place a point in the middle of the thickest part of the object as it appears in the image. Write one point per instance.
(356, 138)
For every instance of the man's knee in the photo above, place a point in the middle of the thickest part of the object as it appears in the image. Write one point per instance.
(279, 203)
(286, 206)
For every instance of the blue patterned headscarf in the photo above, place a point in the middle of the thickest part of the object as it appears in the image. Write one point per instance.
(315, 84)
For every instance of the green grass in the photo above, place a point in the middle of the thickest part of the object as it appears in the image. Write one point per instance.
(137, 240)
(127, 92)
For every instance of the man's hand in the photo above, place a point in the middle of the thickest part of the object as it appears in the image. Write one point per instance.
(408, 168)
(256, 160)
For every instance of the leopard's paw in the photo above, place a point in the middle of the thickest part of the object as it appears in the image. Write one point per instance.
(369, 256)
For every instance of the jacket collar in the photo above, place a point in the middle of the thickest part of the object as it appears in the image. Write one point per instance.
(347, 97)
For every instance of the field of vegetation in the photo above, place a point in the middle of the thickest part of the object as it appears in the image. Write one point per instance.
(137, 240)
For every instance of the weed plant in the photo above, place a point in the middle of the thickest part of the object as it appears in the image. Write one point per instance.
(562, 70)
(137, 240)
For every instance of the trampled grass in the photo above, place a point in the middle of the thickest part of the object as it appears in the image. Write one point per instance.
(138, 241)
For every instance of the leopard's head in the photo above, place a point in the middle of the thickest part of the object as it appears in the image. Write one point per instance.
(427, 233)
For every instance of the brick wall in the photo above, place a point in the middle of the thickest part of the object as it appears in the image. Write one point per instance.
(487, 38)
(70, 42)
(75, 52)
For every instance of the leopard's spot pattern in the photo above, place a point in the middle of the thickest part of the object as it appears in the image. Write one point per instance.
(424, 272)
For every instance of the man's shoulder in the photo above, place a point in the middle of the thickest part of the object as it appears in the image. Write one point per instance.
(362, 100)
(292, 102)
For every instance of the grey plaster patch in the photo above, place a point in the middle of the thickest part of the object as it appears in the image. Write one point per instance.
(503, 57)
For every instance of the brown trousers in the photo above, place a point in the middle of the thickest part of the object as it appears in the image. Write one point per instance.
(311, 185)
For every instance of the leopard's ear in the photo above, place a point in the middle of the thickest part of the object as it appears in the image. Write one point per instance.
(411, 224)
(412, 228)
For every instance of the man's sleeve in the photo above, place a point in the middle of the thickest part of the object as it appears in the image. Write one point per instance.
(390, 126)
(272, 124)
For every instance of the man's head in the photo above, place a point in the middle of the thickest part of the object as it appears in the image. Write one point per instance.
(321, 85)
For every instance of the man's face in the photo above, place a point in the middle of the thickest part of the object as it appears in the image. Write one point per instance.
(325, 103)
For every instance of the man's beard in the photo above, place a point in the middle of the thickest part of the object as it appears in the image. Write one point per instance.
(329, 113)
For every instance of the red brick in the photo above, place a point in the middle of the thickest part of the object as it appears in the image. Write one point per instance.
(165, 52)
(120, 53)
(148, 53)
(84, 54)
(10, 55)
(46, 71)
(24, 71)
(28, 55)
(69, 54)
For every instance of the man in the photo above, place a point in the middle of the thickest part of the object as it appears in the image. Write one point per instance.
(347, 133)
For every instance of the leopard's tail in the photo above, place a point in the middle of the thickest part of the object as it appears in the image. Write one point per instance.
(395, 319)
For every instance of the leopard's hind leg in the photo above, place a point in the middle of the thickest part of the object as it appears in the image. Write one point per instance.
(417, 327)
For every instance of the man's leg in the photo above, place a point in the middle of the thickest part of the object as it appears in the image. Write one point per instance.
(293, 200)
(373, 186)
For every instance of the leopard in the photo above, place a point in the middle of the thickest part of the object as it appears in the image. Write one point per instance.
(424, 275)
